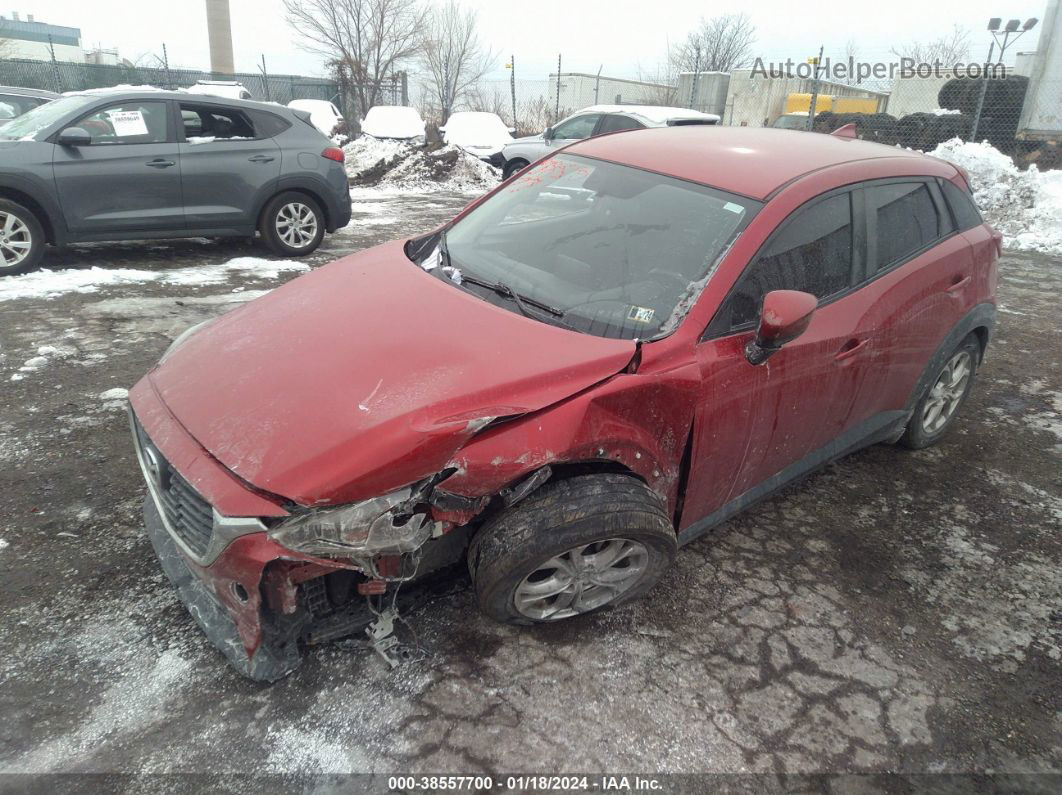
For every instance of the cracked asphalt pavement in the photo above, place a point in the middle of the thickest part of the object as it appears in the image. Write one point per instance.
(896, 612)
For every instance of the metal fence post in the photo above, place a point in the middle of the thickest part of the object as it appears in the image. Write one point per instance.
(265, 79)
(56, 78)
(166, 64)
(512, 87)
(814, 93)
(556, 112)
(696, 74)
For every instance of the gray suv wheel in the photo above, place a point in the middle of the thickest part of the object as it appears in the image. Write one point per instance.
(21, 239)
(292, 224)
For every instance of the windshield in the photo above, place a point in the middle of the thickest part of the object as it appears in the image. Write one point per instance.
(620, 252)
(26, 126)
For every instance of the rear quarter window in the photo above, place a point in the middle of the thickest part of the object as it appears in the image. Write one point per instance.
(268, 124)
(962, 205)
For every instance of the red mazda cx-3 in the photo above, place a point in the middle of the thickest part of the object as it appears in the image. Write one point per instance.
(612, 352)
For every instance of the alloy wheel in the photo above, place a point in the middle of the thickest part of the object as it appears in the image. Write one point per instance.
(15, 240)
(581, 579)
(946, 394)
(296, 225)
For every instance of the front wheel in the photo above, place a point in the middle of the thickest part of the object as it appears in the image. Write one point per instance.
(936, 411)
(21, 239)
(514, 166)
(574, 546)
(292, 224)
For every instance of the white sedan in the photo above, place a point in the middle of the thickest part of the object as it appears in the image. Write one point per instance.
(480, 134)
(323, 114)
(596, 120)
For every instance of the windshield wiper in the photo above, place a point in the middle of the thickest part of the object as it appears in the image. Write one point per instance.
(522, 301)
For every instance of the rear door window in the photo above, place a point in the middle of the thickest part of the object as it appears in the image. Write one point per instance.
(13, 105)
(906, 221)
(209, 123)
(812, 253)
(614, 122)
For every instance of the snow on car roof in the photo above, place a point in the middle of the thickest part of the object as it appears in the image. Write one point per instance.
(392, 121)
(654, 113)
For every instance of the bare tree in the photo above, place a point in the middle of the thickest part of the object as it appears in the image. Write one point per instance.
(364, 40)
(666, 90)
(453, 55)
(948, 50)
(719, 44)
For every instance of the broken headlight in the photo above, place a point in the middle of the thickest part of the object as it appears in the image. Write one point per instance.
(386, 525)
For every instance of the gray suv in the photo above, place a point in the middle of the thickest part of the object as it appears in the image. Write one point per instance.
(142, 164)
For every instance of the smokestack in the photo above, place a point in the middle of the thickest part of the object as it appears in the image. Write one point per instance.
(219, 29)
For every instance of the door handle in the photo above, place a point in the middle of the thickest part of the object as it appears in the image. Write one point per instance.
(958, 284)
(159, 162)
(261, 159)
(850, 349)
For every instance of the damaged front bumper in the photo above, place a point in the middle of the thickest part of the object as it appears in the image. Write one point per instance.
(256, 599)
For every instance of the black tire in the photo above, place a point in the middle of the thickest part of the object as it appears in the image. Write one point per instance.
(603, 510)
(285, 202)
(920, 432)
(27, 229)
(513, 166)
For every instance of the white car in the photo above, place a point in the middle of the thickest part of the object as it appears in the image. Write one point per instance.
(596, 120)
(394, 121)
(324, 115)
(480, 134)
(229, 89)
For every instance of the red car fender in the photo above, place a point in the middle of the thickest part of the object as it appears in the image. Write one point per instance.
(640, 421)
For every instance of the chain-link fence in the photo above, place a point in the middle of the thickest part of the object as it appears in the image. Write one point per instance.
(1021, 119)
(65, 76)
(1016, 114)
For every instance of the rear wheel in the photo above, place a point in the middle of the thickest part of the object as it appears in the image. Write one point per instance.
(514, 166)
(574, 546)
(935, 412)
(292, 224)
(21, 239)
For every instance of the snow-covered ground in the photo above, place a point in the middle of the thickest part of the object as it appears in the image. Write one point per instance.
(46, 283)
(1026, 206)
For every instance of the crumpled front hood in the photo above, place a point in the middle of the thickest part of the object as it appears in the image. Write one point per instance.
(365, 375)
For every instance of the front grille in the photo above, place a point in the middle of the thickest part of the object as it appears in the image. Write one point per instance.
(187, 514)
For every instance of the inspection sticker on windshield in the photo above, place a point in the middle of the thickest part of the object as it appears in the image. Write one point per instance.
(127, 122)
(641, 314)
(734, 208)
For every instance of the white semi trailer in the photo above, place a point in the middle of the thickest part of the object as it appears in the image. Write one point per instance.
(1041, 115)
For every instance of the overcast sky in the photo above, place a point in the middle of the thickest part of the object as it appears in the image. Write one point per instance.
(623, 37)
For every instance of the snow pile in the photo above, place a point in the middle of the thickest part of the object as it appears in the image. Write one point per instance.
(1025, 206)
(366, 154)
(51, 284)
(397, 166)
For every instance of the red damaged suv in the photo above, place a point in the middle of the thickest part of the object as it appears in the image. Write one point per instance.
(609, 354)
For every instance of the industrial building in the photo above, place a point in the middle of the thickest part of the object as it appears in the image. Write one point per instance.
(28, 38)
(579, 89)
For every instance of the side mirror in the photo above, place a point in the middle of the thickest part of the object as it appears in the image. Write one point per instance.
(548, 134)
(785, 315)
(511, 129)
(74, 136)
